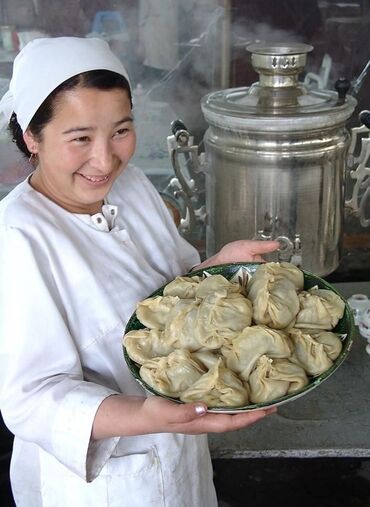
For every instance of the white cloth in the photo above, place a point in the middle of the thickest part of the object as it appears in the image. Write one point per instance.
(67, 289)
(159, 33)
(32, 81)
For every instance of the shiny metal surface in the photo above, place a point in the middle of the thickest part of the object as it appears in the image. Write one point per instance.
(279, 66)
(276, 158)
(267, 189)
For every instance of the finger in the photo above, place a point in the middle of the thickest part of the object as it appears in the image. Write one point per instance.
(221, 423)
(261, 247)
(187, 412)
(249, 250)
(258, 258)
(172, 413)
(271, 410)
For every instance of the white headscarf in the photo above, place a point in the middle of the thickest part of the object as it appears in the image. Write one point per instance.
(43, 64)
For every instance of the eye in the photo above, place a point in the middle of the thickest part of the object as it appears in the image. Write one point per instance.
(121, 132)
(82, 139)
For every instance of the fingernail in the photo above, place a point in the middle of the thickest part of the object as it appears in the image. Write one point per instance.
(200, 409)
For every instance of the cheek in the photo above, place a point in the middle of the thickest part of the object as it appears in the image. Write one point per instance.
(133, 145)
(128, 148)
(71, 158)
(60, 156)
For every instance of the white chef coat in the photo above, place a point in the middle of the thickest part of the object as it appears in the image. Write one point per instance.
(68, 285)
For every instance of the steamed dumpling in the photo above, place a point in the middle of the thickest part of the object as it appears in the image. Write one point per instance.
(273, 271)
(207, 323)
(219, 387)
(179, 331)
(275, 299)
(254, 341)
(309, 353)
(185, 330)
(217, 285)
(153, 312)
(206, 358)
(272, 379)
(222, 317)
(173, 374)
(284, 369)
(331, 341)
(264, 383)
(144, 344)
(273, 291)
(319, 309)
(183, 287)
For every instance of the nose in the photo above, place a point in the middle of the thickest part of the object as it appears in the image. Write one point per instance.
(101, 156)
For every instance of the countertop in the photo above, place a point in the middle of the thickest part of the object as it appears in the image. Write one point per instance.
(333, 420)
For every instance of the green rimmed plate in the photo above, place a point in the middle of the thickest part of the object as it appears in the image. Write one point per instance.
(241, 272)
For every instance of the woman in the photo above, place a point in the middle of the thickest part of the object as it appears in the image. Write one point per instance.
(83, 239)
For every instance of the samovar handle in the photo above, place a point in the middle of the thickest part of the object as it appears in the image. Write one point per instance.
(361, 173)
(185, 186)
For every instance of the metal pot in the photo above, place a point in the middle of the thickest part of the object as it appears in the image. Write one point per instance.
(275, 161)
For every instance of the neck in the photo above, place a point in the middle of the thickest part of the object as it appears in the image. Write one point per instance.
(38, 185)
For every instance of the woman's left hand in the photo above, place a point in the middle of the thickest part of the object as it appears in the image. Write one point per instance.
(240, 251)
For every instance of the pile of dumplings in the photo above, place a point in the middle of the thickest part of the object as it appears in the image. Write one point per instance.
(212, 340)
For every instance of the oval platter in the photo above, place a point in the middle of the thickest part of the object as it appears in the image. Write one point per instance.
(241, 272)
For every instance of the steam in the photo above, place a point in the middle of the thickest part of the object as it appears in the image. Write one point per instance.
(199, 70)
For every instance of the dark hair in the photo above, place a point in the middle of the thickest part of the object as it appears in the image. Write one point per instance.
(100, 79)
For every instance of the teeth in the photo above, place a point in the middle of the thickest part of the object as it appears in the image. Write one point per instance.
(94, 179)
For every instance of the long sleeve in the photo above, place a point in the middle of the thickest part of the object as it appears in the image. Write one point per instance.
(43, 395)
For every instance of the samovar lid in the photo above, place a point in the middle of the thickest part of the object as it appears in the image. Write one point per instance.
(278, 101)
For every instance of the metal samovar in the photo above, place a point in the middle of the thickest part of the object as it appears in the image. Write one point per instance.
(275, 162)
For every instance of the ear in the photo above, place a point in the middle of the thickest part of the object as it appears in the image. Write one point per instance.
(30, 141)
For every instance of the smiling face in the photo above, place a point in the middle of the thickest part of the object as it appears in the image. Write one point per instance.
(83, 148)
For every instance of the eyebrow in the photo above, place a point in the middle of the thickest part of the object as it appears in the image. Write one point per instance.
(84, 129)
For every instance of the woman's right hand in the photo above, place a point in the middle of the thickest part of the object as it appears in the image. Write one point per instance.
(133, 415)
(193, 418)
